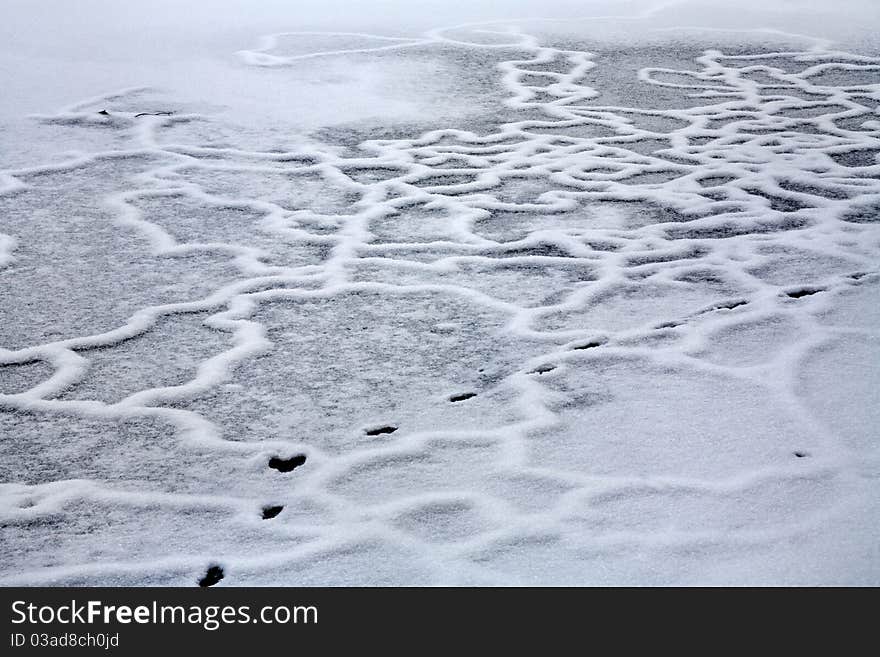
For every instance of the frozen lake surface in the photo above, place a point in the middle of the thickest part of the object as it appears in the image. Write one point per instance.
(338, 298)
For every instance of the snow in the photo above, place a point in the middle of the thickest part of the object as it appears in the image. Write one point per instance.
(578, 293)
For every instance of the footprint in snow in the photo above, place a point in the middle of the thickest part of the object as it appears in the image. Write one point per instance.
(378, 431)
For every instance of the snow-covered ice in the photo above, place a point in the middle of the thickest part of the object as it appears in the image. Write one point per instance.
(439, 293)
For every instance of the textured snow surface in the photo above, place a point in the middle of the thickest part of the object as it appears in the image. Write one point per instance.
(530, 305)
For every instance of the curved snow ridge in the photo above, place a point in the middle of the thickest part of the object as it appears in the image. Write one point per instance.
(595, 345)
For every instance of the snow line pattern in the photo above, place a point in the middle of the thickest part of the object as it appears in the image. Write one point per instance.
(587, 347)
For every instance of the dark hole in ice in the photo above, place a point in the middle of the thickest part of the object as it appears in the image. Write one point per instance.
(730, 305)
(803, 292)
(270, 512)
(588, 345)
(286, 465)
(380, 430)
(214, 575)
(463, 396)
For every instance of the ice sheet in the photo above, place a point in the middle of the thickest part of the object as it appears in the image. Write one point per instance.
(585, 298)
